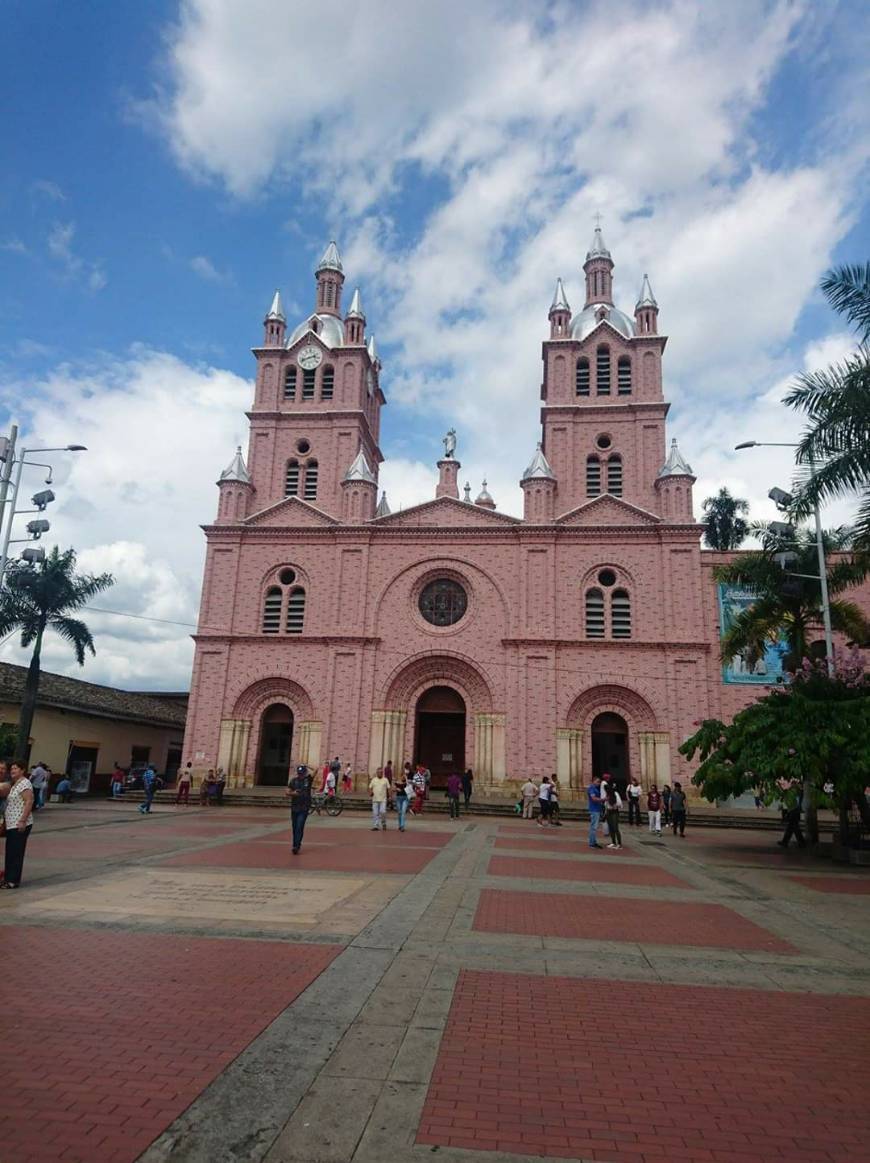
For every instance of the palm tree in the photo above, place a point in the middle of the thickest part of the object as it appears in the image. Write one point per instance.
(836, 402)
(789, 597)
(726, 528)
(39, 598)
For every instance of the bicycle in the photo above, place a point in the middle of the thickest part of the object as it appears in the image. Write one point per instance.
(321, 802)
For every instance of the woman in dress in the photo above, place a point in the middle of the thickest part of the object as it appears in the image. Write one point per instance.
(19, 821)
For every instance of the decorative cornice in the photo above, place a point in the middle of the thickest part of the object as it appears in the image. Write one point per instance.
(599, 643)
(518, 532)
(272, 640)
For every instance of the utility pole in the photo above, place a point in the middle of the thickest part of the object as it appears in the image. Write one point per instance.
(5, 478)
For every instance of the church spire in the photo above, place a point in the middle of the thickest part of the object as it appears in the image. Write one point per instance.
(275, 323)
(560, 313)
(599, 270)
(355, 320)
(330, 279)
(646, 311)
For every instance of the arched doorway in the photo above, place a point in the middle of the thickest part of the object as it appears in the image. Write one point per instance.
(439, 733)
(276, 735)
(610, 748)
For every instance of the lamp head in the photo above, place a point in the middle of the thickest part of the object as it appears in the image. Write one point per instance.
(77, 448)
(746, 444)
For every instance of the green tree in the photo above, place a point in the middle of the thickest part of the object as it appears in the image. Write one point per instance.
(789, 598)
(836, 402)
(814, 732)
(724, 518)
(34, 599)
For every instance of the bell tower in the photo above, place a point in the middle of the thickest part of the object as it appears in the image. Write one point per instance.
(317, 402)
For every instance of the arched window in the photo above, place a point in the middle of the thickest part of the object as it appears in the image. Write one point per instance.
(295, 611)
(614, 476)
(582, 376)
(623, 375)
(290, 382)
(330, 294)
(594, 614)
(310, 491)
(291, 480)
(272, 610)
(593, 476)
(620, 614)
(602, 370)
(327, 383)
(309, 375)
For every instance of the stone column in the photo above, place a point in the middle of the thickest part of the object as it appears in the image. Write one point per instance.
(569, 770)
(308, 740)
(233, 749)
(387, 739)
(448, 472)
(655, 757)
(489, 749)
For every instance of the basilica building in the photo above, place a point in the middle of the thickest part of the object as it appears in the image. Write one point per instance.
(580, 639)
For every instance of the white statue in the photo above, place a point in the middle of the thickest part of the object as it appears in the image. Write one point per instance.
(449, 442)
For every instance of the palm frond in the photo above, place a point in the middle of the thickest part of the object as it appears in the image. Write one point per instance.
(847, 289)
(75, 632)
(849, 619)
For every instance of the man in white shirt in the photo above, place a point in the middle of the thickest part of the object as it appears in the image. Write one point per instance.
(39, 779)
(529, 792)
(379, 790)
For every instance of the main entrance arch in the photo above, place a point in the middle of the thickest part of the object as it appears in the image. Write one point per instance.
(610, 748)
(276, 737)
(439, 732)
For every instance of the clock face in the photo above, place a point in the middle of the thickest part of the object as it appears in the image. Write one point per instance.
(309, 357)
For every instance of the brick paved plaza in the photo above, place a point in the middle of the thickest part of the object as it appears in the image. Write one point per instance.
(180, 989)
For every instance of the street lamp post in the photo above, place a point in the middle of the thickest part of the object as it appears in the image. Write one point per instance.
(20, 462)
(820, 550)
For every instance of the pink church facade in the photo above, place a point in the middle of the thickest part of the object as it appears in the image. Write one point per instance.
(580, 638)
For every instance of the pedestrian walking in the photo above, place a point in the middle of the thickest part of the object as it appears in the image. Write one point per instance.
(544, 802)
(654, 810)
(791, 814)
(182, 792)
(401, 792)
(454, 790)
(554, 802)
(593, 797)
(379, 790)
(529, 792)
(467, 785)
(666, 805)
(118, 779)
(678, 809)
(633, 792)
(203, 787)
(299, 791)
(418, 784)
(39, 783)
(149, 784)
(19, 822)
(612, 804)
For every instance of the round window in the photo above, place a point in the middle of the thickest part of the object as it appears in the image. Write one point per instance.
(603, 441)
(287, 577)
(443, 602)
(606, 577)
(303, 446)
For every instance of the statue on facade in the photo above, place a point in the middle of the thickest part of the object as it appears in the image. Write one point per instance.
(449, 442)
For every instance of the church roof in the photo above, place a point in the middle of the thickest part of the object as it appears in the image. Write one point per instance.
(236, 469)
(383, 509)
(327, 328)
(276, 311)
(331, 260)
(590, 317)
(560, 302)
(360, 471)
(539, 467)
(676, 465)
(483, 498)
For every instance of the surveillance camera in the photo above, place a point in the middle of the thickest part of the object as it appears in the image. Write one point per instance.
(32, 556)
(43, 499)
(780, 498)
(780, 530)
(37, 528)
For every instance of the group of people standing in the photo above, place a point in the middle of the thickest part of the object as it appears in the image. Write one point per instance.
(547, 796)
(605, 801)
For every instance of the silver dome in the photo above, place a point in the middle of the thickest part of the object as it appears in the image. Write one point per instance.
(330, 330)
(586, 322)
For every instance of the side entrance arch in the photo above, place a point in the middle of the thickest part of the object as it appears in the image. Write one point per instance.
(610, 749)
(612, 730)
(276, 737)
(439, 733)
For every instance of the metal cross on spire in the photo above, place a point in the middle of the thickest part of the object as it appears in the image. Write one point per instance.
(597, 217)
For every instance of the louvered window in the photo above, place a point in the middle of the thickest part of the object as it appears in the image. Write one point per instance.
(291, 480)
(310, 493)
(602, 370)
(620, 614)
(623, 376)
(295, 611)
(272, 611)
(614, 476)
(594, 614)
(327, 383)
(582, 376)
(593, 476)
(290, 383)
(309, 375)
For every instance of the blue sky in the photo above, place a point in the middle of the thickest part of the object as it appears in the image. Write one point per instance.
(165, 167)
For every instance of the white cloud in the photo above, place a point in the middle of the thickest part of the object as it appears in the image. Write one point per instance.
(205, 268)
(49, 189)
(59, 243)
(13, 246)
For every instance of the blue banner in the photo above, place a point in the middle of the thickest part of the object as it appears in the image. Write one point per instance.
(733, 600)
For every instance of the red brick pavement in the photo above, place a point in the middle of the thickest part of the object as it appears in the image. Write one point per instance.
(546, 842)
(595, 870)
(834, 884)
(314, 857)
(648, 922)
(113, 1035)
(651, 1079)
(317, 834)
